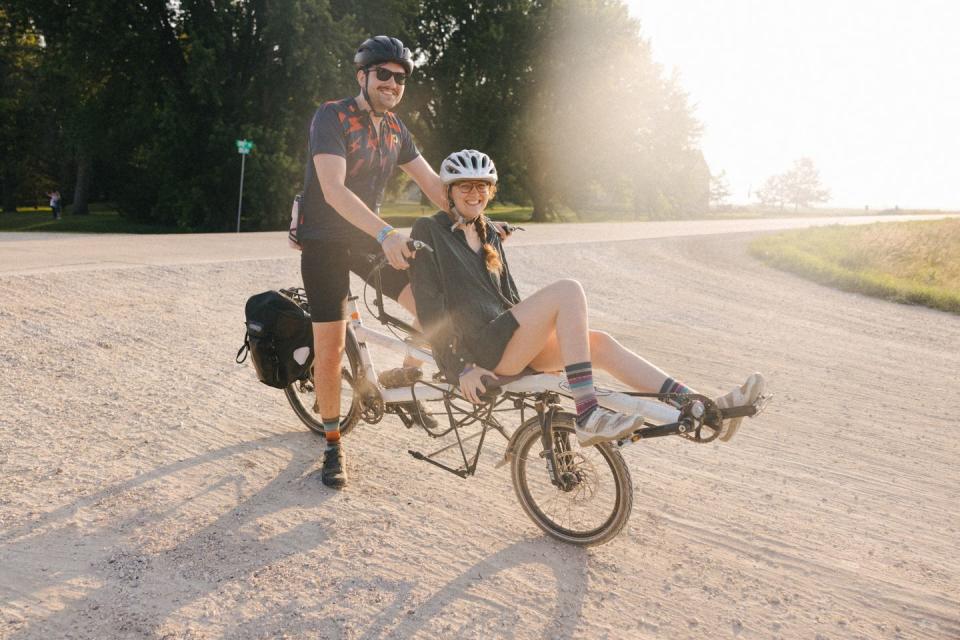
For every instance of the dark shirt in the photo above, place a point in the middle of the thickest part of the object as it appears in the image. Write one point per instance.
(456, 295)
(340, 128)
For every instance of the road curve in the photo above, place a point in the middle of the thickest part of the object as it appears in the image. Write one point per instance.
(48, 252)
(152, 488)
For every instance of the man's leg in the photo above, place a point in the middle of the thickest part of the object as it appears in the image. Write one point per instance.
(328, 344)
(407, 302)
(326, 279)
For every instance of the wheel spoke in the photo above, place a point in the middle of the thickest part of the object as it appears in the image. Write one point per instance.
(593, 506)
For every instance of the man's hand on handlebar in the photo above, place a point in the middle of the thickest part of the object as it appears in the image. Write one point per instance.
(396, 250)
(472, 385)
(504, 229)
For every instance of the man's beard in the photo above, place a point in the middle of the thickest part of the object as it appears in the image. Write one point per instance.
(378, 104)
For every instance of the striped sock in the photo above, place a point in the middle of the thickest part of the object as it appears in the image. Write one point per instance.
(580, 378)
(672, 386)
(331, 429)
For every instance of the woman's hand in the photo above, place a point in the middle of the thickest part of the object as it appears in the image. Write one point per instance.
(471, 383)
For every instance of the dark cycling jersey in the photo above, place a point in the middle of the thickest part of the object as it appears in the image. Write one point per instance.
(340, 128)
(464, 309)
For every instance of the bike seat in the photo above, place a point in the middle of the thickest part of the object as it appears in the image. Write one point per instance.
(494, 387)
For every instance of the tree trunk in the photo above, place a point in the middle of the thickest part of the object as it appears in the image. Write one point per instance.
(81, 193)
(543, 209)
(9, 188)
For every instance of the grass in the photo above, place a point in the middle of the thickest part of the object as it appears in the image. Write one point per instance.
(909, 262)
(102, 219)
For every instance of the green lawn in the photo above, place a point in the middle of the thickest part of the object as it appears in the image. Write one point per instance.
(101, 219)
(910, 262)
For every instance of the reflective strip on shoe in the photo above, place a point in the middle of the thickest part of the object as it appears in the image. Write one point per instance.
(603, 425)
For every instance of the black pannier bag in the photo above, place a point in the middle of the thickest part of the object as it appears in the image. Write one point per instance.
(279, 338)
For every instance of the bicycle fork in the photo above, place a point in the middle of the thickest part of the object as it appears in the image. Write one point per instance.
(559, 477)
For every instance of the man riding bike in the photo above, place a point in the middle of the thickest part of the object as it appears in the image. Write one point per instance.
(354, 146)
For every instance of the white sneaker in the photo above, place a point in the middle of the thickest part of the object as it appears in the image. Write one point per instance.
(603, 425)
(745, 394)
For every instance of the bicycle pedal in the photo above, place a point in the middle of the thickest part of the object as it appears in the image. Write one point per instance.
(761, 403)
(400, 377)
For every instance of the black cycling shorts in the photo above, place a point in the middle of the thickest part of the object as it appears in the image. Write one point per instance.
(489, 345)
(325, 266)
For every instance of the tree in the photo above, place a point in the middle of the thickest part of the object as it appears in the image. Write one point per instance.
(799, 186)
(719, 188)
(566, 98)
(802, 184)
(141, 101)
(24, 169)
(601, 113)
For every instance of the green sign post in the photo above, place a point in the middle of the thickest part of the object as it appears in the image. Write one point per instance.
(244, 147)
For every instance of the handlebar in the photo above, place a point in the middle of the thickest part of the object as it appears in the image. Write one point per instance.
(416, 245)
(378, 260)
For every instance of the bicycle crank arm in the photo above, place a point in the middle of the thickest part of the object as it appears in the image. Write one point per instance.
(658, 431)
(748, 410)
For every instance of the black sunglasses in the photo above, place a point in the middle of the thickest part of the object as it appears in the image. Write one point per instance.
(385, 74)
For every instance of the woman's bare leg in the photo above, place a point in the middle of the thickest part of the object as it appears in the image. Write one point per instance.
(611, 356)
(558, 309)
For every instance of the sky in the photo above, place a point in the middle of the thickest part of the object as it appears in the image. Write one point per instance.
(868, 89)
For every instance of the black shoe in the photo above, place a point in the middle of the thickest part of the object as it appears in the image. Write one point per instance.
(334, 472)
(419, 414)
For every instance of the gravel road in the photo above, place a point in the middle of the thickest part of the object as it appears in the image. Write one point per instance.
(152, 488)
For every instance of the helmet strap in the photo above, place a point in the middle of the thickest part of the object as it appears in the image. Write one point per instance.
(366, 94)
(458, 219)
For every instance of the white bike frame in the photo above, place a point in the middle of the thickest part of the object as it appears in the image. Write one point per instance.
(652, 411)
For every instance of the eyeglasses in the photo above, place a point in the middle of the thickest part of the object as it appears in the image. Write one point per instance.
(467, 187)
(385, 74)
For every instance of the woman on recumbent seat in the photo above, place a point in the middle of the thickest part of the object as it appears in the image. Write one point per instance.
(478, 326)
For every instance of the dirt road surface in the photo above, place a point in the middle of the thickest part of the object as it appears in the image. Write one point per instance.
(152, 488)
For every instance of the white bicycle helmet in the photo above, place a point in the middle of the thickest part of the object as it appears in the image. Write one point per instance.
(468, 164)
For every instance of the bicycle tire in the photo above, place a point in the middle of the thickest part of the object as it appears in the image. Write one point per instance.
(526, 459)
(300, 394)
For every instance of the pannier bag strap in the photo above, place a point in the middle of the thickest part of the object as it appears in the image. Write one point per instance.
(244, 350)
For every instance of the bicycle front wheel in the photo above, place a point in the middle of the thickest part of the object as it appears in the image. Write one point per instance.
(301, 394)
(594, 498)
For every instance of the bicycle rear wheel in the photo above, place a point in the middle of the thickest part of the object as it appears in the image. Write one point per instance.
(595, 503)
(301, 394)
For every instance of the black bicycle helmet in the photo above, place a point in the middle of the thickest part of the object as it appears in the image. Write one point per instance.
(382, 49)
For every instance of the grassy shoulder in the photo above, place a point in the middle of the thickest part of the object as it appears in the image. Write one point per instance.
(909, 262)
(101, 219)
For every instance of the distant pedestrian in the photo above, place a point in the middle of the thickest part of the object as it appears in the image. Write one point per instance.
(55, 204)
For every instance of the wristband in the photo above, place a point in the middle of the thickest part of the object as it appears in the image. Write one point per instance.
(386, 231)
(467, 369)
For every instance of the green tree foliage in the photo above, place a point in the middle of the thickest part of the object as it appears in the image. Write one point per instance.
(469, 92)
(567, 99)
(24, 173)
(250, 70)
(144, 98)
